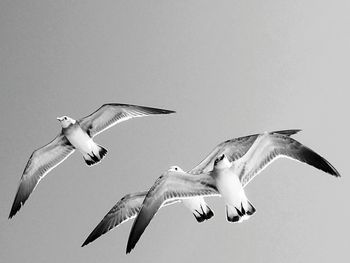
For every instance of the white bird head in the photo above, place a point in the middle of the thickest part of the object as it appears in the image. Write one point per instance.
(222, 162)
(175, 168)
(66, 121)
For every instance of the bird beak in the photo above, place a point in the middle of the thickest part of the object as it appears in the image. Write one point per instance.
(59, 118)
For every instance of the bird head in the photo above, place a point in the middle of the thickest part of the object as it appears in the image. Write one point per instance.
(175, 168)
(221, 162)
(66, 121)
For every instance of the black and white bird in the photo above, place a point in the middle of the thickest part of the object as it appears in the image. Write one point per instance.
(129, 206)
(75, 134)
(226, 179)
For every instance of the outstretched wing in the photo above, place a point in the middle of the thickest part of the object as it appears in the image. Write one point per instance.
(233, 149)
(268, 147)
(172, 185)
(109, 115)
(125, 209)
(42, 161)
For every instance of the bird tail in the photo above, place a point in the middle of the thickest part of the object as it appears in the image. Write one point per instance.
(238, 214)
(204, 214)
(95, 156)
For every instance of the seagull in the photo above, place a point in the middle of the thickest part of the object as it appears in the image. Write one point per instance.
(129, 206)
(226, 179)
(75, 134)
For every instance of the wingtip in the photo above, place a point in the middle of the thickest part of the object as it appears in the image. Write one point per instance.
(129, 248)
(314, 159)
(131, 242)
(10, 215)
(14, 209)
(336, 173)
(288, 132)
(92, 237)
(159, 110)
(168, 111)
(85, 243)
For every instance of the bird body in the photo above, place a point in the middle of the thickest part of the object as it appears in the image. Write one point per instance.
(229, 186)
(78, 138)
(92, 152)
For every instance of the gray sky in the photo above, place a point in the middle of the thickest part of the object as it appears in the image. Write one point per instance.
(229, 69)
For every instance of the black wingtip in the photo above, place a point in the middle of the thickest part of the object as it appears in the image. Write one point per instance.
(12, 213)
(129, 248)
(132, 241)
(16, 206)
(150, 110)
(158, 111)
(96, 233)
(288, 132)
(310, 157)
(85, 243)
(335, 173)
(92, 237)
(162, 111)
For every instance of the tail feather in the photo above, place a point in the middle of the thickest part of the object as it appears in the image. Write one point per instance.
(95, 156)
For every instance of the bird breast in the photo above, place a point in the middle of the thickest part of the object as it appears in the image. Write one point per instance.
(229, 186)
(78, 138)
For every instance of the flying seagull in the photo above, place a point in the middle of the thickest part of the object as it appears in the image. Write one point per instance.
(75, 134)
(226, 179)
(129, 206)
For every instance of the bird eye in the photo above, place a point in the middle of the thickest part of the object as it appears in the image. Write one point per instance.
(175, 168)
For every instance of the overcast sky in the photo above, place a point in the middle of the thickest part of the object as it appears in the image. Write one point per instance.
(229, 68)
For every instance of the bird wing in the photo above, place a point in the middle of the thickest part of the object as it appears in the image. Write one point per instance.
(268, 147)
(125, 209)
(172, 185)
(42, 161)
(233, 149)
(109, 115)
